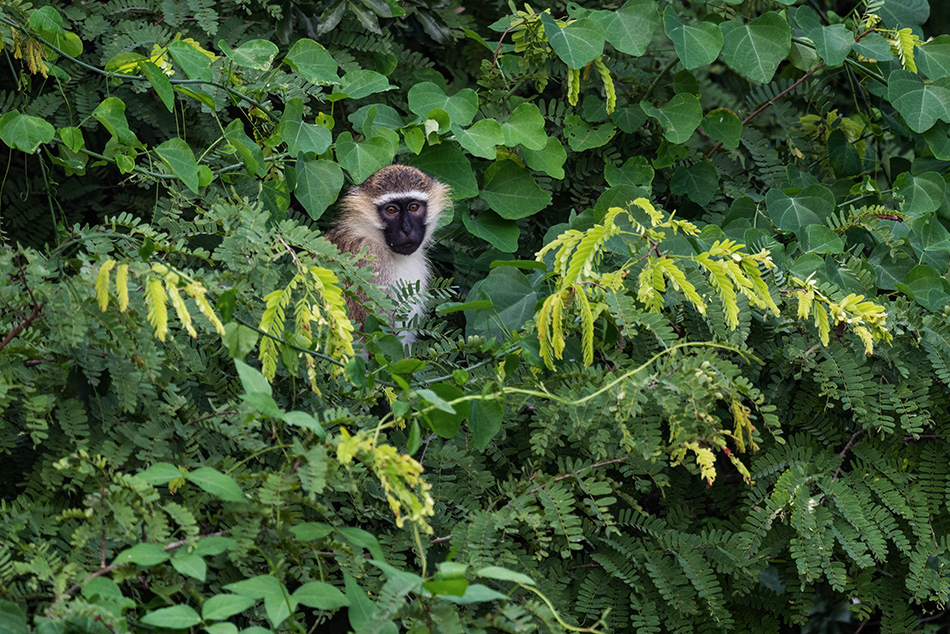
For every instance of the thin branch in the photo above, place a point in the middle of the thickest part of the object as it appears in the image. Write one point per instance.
(20, 327)
(853, 440)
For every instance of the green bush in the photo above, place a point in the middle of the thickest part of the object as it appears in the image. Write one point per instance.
(686, 369)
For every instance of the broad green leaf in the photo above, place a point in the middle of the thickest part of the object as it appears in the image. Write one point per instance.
(577, 43)
(196, 64)
(305, 420)
(482, 138)
(181, 161)
(313, 62)
(461, 107)
(489, 226)
(933, 57)
(447, 163)
(920, 104)
(905, 13)
(811, 205)
(932, 234)
(363, 539)
(362, 612)
(874, 47)
(363, 159)
(73, 138)
(919, 194)
(475, 593)
(225, 627)
(143, 555)
(444, 423)
(201, 97)
(549, 160)
(842, 155)
(756, 49)
(630, 118)
(484, 422)
(25, 132)
(630, 28)
(700, 182)
(511, 191)
(259, 587)
(697, 44)
(832, 42)
(385, 116)
(525, 126)
(504, 574)
(222, 606)
(358, 84)
(300, 136)
(323, 596)
(257, 54)
(635, 172)
(821, 239)
(513, 302)
(251, 379)
(177, 617)
(680, 116)
(250, 152)
(310, 531)
(724, 126)
(215, 545)
(160, 83)
(46, 21)
(160, 473)
(582, 136)
(217, 484)
(239, 339)
(111, 114)
(938, 140)
(190, 565)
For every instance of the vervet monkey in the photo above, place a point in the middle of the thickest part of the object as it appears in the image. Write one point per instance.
(393, 215)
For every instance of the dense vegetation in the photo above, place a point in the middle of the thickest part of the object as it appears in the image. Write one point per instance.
(686, 369)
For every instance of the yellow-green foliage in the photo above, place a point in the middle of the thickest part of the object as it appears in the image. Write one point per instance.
(865, 318)
(581, 285)
(319, 318)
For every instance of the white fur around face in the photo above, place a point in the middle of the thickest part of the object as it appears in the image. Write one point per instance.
(414, 194)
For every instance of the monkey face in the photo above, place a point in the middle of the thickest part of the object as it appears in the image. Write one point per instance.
(404, 222)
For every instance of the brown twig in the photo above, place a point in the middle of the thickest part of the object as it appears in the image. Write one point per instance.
(847, 448)
(20, 327)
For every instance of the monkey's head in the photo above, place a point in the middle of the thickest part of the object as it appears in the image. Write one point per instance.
(402, 203)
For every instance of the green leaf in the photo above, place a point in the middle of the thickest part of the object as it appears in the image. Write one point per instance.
(311, 531)
(222, 606)
(577, 43)
(25, 132)
(525, 126)
(821, 239)
(305, 420)
(932, 234)
(724, 126)
(143, 555)
(215, 545)
(318, 185)
(874, 47)
(629, 119)
(582, 136)
(811, 205)
(475, 593)
(680, 116)
(489, 226)
(630, 28)
(920, 104)
(239, 339)
(363, 159)
(513, 302)
(445, 419)
(363, 539)
(251, 378)
(503, 574)
(512, 192)
(323, 596)
(363, 614)
(549, 160)
(700, 182)
(635, 172)
(842, 155)
(196, 64)
(160, 473)
(46, 21)
(190, 565)
(832, 42)
(313, 62)
(177, 617)
(696, 44)
(938, 140)
(933, 57)
(919, 194)
(484, 421)
(258, 54)
(300, 136)
(181, 161)
(482, 138)
(111, 114)
(358, 84)
(160, 83)
(217, 484)
(250, 152)
(259, 587)
(461, 107)
(756, 49)
(447, 163)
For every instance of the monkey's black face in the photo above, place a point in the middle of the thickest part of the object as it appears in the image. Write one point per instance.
(404, 223)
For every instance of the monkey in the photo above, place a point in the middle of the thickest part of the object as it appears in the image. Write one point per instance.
(393, 215)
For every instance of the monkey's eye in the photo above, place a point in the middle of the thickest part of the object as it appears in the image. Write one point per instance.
(414, 207)
(392, 209)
